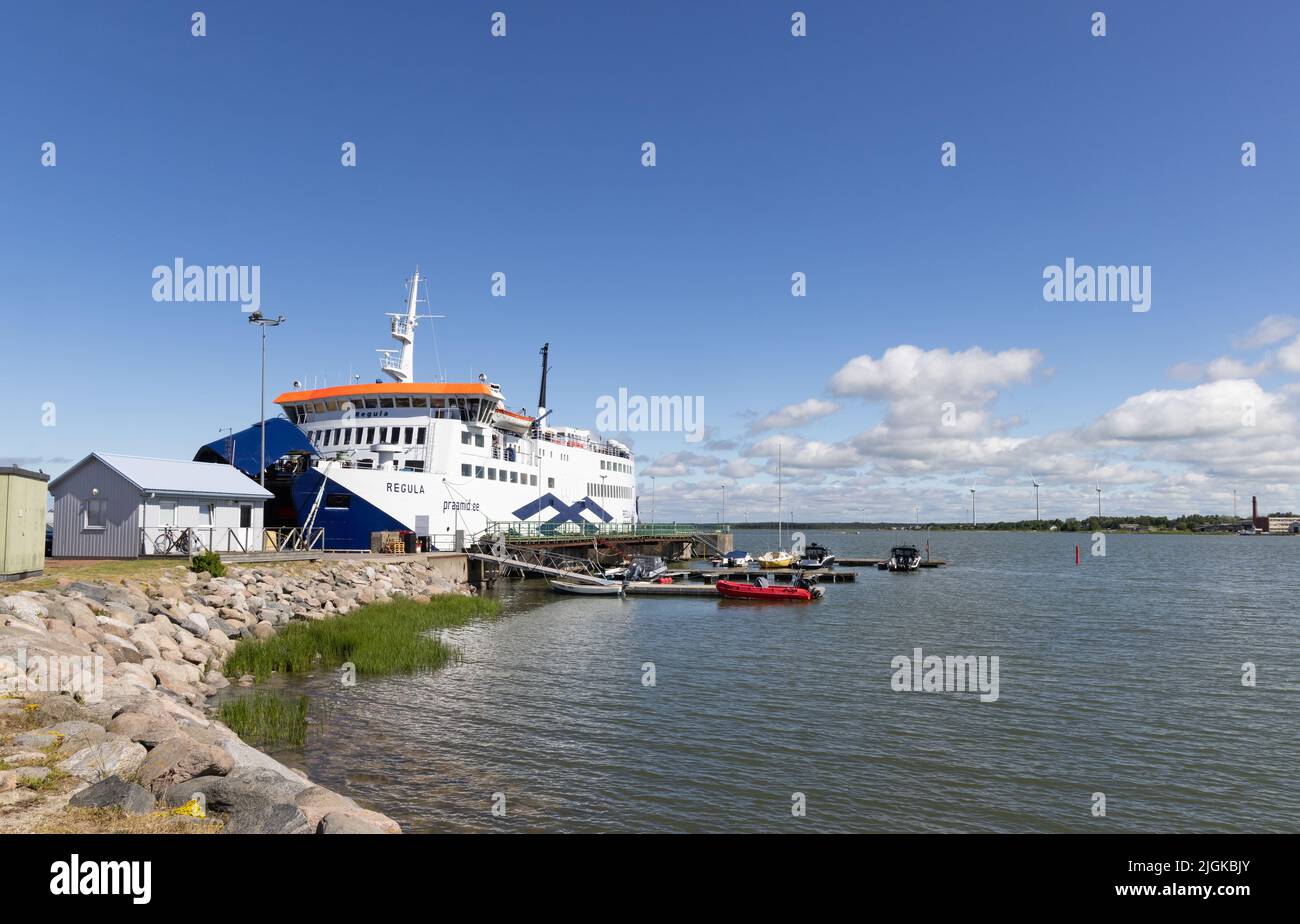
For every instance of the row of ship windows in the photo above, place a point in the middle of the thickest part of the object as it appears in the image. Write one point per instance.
(501, 474)
(455, 408)
(349, 436)
(595, 489)
(615, 466)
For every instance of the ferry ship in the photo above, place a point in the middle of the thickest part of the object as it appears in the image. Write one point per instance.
(439, 458)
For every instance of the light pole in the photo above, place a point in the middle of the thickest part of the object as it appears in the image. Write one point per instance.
(724, 502)
(263, 322)
(972, 508)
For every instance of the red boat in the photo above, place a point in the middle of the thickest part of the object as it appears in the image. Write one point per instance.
(740, 590)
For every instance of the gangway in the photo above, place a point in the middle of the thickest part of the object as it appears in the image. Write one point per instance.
(532, 559)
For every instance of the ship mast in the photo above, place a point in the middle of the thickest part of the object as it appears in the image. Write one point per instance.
(402, 369)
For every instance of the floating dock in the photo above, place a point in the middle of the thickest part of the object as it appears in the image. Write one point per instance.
(778, 575)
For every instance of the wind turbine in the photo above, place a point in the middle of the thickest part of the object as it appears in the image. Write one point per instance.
(1037, 484)
(1097, 488)
(972, 507)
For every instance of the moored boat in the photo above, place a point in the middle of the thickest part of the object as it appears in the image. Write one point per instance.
(770, 560)
(736, 559)
(591, 590)
(816, 556)
(760, 590)
(902, 558)
(639, 568)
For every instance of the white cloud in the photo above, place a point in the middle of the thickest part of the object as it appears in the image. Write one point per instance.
(1273, 328)
(906, 370)
(1224, 407)
(794, 415)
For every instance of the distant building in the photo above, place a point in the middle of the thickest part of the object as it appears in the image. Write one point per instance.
(1283, 524)
(22, 523)
(116, 506)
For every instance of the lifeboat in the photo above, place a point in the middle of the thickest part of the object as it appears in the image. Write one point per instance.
(740, 590)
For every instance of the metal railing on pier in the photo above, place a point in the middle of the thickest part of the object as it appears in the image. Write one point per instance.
(516, 531)
(194, 540)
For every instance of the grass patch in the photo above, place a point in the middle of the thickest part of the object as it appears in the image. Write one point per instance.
(115, 821)
(107, 571)
(267, 719)
(382, 638)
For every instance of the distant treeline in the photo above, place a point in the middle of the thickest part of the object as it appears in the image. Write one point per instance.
(1187, 523)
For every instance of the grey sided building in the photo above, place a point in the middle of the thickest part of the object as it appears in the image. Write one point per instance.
(119, 506)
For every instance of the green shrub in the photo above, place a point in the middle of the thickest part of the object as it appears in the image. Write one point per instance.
(209, 562)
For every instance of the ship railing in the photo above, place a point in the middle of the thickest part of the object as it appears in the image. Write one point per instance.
(602, 448)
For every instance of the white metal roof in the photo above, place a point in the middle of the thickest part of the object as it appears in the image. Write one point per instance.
(171, 476)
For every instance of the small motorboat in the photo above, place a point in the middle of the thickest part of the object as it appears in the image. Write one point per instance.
(736, 559)
(816, 556)
(902, 558)
(770, 560)
(639, 568)
(760, 590)
(591, 590)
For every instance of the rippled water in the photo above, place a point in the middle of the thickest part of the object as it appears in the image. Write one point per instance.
(1120, 676)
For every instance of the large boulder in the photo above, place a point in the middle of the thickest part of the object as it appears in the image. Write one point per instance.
(251, 801)
(148, 729)
(114, 755)
(348, 823)
(181, 758)
(115, 792)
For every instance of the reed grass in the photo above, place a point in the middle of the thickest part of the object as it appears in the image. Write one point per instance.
(381, 638)
(267, 719)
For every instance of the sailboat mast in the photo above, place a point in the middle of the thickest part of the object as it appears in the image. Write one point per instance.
(780, 543)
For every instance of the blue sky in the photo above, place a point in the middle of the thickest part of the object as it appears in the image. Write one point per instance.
(775, 154)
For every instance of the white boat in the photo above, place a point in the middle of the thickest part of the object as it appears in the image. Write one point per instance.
(439, 459)
(902, 558)
(736, 559)
(639, 568)
(591, 590)
(816, 556)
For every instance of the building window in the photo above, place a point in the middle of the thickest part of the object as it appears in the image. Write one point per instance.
(167, 513)
(96, 513)
(550, 482)
(205, 514)
(492, 474)
(478, 471)
(370, 435)
(464, 438)
(245, 516)
(514, 477)
(464, 470)
(532, 480)
(419, 436)
(478, 440)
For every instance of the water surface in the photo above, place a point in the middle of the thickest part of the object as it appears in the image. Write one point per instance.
(1120, 676)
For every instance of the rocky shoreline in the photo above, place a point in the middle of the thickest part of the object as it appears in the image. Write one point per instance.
(155, 650)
